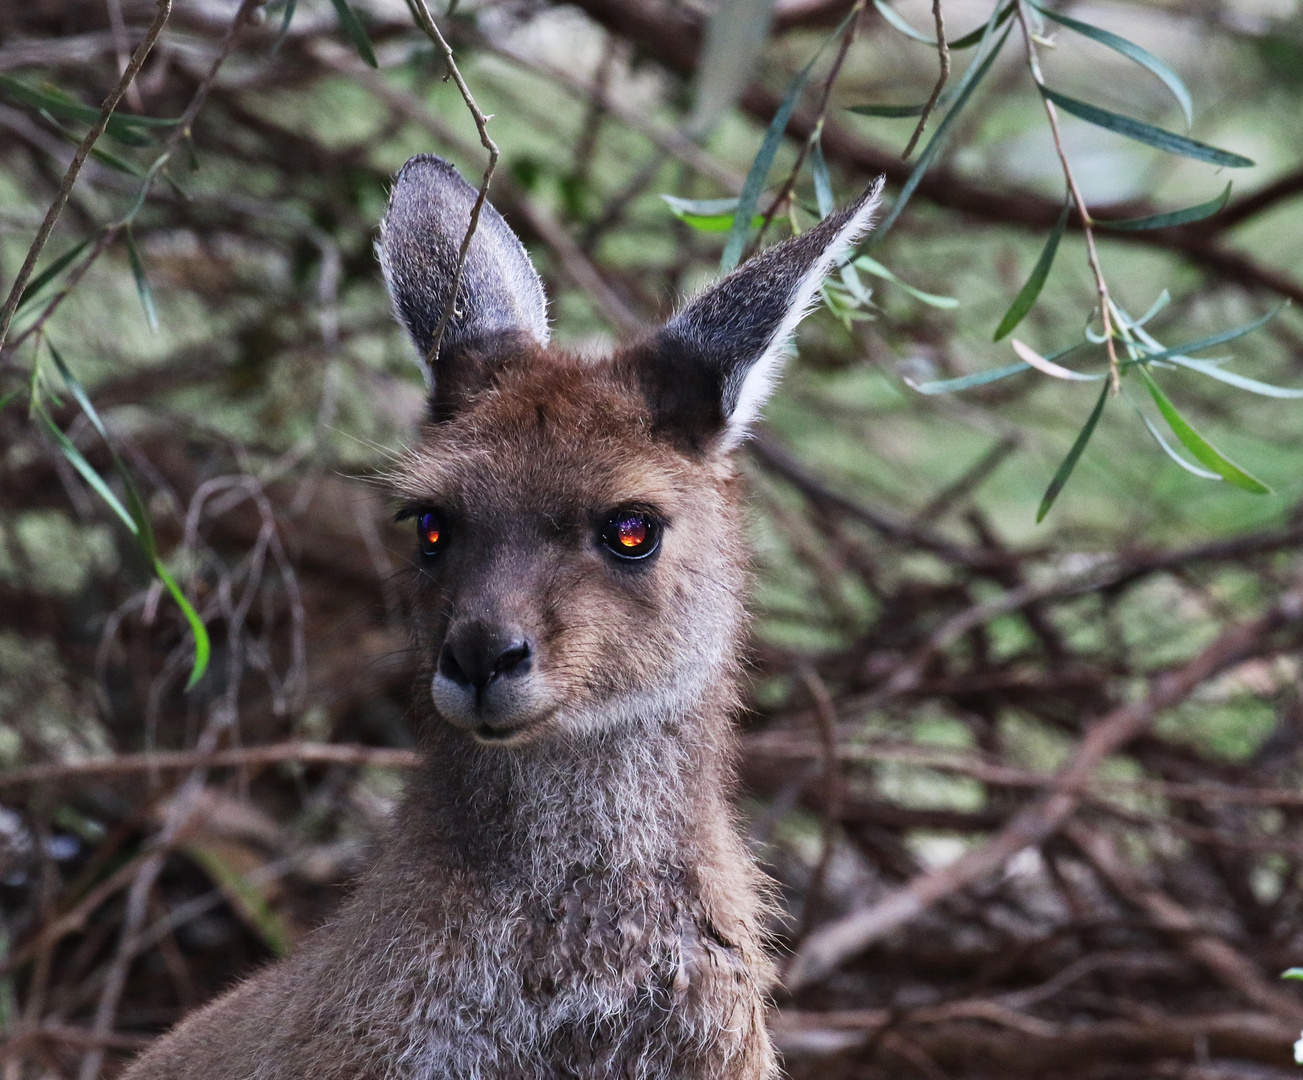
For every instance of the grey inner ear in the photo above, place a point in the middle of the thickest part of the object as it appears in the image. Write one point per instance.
(422, 232)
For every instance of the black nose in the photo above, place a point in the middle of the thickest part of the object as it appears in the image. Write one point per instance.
(475, 655)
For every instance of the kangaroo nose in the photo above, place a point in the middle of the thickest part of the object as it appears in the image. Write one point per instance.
(476, 655)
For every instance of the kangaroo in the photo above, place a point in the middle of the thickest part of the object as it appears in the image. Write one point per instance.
(563, 892)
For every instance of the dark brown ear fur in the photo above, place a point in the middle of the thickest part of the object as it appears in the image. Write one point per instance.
(708, 371)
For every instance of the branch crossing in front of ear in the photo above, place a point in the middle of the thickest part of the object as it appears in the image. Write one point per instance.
(420, 237)
(714, 364)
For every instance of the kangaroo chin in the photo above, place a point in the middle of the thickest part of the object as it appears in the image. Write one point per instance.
(563, 891)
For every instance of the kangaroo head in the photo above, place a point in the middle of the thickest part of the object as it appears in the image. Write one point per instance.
(579, 546)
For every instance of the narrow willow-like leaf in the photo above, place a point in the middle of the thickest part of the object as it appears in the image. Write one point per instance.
(707, 215)
(871, 265)
(966, 41)
(135, 503)
(284, 31)
(355, 31)
(1242, 382)
(50, 273)
(758, 174)
(1131, 51)
(104, 157)
(1049, 367)
(123, 126)
(142, 282)
(1159, 138)
(203, 647)
(889, 111)
(1292, 973)
(980, 66)
(1210, 341)
(889, 13)
(1026, 298)
(1203, 474)
(1070, 462)
(1172, 217)
(764, 159)
(1203, 451)
(78, 392)
(822, 181)
(967, 382)
(87, 470)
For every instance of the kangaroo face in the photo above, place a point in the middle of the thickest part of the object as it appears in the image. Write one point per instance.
(574, 570)
(578, 551)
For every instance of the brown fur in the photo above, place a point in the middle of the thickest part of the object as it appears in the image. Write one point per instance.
(600, 852)
(563, 893)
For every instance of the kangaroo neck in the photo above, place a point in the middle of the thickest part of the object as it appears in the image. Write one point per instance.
(623, 799)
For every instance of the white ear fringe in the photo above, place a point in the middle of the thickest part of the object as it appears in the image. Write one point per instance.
(762, 376)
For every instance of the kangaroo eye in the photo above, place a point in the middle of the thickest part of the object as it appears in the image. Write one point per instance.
(429, 530)
(631, 534)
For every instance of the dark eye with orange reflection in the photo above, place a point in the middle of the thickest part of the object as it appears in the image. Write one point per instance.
(430, 532)
(631, 535)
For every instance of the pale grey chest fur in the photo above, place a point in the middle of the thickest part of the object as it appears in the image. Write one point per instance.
(580, 948)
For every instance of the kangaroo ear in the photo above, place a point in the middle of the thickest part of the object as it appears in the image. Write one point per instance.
(709, 370)
(420, 237)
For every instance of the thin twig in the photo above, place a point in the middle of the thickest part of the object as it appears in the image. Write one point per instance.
(833, 787)
(943, 56)
(79, 159)
(1101, 286)
(426, 22)
(244, 757)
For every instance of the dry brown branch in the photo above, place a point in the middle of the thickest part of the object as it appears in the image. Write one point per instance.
(244, 757)
(829, 946)
(1211, 950)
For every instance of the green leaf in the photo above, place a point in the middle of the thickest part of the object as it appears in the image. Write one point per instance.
(1253, 386)
(78, 393)
(822, 181)
(1070, 462)
(284, 31)
(142, 282)
(98, 153)
(1292, 973)
(1172, 217)
(979, 67)
(355, 31)
(7, 399)
(967, 41)
(1203, 474)
(203, 647)
(1203, 451)
(967, 382)
(1131, 51)
(758, 174)
(1167, 141)
(1210, 341)
(122, 126)
(135, 504)
(87, 470)
(1022, 303)
(707, 215)
(871, 266)
(890, 111)
(50, 273)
